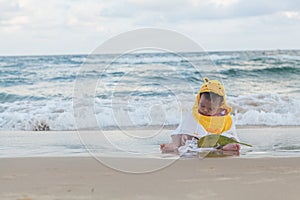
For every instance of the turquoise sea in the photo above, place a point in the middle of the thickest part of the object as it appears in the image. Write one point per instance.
(147, 89)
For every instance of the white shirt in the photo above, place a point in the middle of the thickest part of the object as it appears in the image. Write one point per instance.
(189, 126)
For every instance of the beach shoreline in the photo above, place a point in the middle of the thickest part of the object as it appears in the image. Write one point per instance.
(209, 178)
(152, 127)
(55, 165)
(280, 141)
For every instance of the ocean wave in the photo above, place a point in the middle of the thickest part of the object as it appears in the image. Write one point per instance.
(68, 78)
(148, 89)
(285, 70)
(266, 109)
(9, 98)
(259, 109)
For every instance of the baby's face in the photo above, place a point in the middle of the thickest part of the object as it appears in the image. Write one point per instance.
(207, 107)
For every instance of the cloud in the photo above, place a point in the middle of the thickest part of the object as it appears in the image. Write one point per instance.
(179, 10)
(80, 25)
(81, 13)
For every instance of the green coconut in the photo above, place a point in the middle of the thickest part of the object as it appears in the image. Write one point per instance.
(215, 140)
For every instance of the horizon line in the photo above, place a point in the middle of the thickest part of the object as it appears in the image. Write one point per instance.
(115, 53)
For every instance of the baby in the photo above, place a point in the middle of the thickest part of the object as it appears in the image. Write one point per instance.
(210, 115)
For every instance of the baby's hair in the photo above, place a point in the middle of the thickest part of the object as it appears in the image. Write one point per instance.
(212, 97)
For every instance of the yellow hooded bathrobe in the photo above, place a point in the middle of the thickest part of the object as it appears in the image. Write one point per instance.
(213, 124)
(198, 125)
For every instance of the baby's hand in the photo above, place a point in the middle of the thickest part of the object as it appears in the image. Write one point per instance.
(231, 147)
(168, 148)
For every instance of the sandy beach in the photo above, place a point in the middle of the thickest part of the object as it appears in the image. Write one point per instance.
(54, 165)
(210, 178)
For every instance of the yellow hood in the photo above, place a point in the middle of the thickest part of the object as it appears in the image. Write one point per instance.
(213, 124)
(215, 87)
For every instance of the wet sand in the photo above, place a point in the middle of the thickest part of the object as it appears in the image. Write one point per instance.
(209, 178)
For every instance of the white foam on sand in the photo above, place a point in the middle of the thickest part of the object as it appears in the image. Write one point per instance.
(266, 141)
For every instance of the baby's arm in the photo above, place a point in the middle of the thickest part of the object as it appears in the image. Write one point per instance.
(184, 132)
(184, 138)
(231, 133)
(177, 141)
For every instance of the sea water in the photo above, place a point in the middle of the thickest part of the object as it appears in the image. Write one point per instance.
(140, 91)
(148, 89)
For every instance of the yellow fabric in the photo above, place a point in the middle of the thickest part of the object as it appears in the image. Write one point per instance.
(213, 124)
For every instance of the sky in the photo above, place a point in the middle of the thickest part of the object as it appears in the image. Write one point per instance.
(34, 27)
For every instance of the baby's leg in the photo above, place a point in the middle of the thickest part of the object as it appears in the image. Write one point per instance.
(173, 146)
